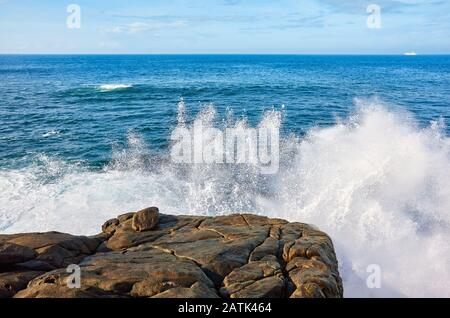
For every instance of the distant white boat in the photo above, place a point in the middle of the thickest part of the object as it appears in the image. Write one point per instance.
(410, 53)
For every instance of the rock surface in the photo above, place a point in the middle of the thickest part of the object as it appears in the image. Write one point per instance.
(237, 256)
(145, 220)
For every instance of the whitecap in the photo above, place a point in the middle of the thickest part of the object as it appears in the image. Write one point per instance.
(50, 133)
(111, 87)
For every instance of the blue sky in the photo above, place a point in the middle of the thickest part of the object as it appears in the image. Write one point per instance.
(225, 26)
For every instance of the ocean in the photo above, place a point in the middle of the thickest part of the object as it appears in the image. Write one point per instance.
(364, 150)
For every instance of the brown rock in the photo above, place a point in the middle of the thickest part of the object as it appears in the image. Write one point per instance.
(36, 265)
(270, 287)
(110, 226)
(135, 273)
(13, 282)
(258, 279)
(125, 216)
(51, 249)
(308, 290)
(11, 253)
(145, 220)
(236, 256)
(197, 290)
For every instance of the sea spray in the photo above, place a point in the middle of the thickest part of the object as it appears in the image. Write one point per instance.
(381, 188)
(202, 143)
(376, 183)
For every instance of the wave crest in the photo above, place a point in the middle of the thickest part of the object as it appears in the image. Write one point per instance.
(111, 87)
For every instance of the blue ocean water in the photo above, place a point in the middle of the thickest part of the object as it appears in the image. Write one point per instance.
(55, 105)
(364, 150)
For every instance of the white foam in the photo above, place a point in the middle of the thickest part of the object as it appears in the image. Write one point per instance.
(50, 133)
(381, 188)
(111, 87)
(378, 184)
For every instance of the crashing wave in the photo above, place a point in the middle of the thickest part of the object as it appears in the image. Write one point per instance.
(376, 182)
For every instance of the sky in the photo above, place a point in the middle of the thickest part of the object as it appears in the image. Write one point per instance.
(225, 27)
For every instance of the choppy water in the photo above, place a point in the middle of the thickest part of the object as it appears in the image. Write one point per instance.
(365, 151)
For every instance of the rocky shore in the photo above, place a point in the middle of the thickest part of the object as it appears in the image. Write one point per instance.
(148, 254)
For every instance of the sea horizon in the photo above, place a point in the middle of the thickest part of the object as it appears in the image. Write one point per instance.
(225, 54)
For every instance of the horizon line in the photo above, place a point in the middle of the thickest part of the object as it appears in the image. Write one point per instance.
(287, 54)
